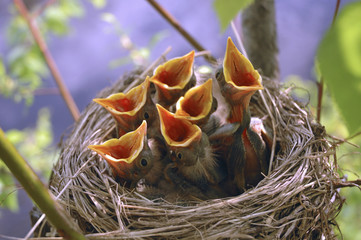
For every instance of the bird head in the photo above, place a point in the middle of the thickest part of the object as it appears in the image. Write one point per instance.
(129, 156)
(181, 136)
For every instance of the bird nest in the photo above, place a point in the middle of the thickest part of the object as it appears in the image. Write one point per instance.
(296, 200)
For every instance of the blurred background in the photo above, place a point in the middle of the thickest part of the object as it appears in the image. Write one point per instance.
(93, 42)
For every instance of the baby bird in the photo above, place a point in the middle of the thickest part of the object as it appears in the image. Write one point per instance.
(238, 81)
(239, 142)
(197, 105)
(130, 157)
(172, 79)
(190, 151)
(131, 108)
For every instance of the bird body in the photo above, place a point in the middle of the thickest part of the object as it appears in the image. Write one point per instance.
(190, 150)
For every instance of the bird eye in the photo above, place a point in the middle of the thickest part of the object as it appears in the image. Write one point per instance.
(143, 162)
(218, 73)
(179, 156)
(146, 115)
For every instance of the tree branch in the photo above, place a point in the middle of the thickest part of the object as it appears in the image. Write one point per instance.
(48, 59)
(181, 30)
(37, 190)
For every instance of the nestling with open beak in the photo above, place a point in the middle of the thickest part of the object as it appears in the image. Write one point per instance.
(238, 81)
(242, 148)
(131, 108)
(130, 157)
(190, 151)
(197, 105)
(172, 79)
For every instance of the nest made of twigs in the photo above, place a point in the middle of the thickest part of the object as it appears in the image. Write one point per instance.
(295, 201)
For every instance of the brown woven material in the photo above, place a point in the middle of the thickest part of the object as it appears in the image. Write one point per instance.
(295, 201)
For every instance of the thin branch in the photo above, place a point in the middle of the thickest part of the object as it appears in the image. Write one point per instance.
(320, 85)
(48, 58)
(319, 99)
(355, 183)
(181, 30)
(239, 39)
(37, 190)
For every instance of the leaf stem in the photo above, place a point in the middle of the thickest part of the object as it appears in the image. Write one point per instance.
(181, 30)
(321, 83)
(48, 58)
(37, 190)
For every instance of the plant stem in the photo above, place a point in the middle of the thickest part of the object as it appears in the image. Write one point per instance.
(355, 183)
(321, 83)
(48, 59)
(37, 190)
(181, 30)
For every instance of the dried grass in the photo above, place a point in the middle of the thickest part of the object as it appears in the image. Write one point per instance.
(295, 201)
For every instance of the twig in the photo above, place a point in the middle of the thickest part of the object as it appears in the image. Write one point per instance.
(321, 83)
(181, 30)
(48, 58)
(239, 39)
(319, 99)
(354, 183)
(37, 190)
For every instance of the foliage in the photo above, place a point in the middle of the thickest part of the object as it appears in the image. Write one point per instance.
(339, 56)
(22, 69)
(21, 73)
(35, 145)
(228, 9)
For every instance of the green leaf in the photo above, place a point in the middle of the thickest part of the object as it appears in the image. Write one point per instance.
(339, 57)
(228, 9)
(8, 193)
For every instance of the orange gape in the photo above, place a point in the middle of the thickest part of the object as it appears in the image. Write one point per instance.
(129, 156)
(197, 104)
(129, 109)
(173, 79)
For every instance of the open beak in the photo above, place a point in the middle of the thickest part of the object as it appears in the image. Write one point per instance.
(177, 132)
(125, 107)
(120, 153)
(196, 105)
(173, 78)
(242, 79)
